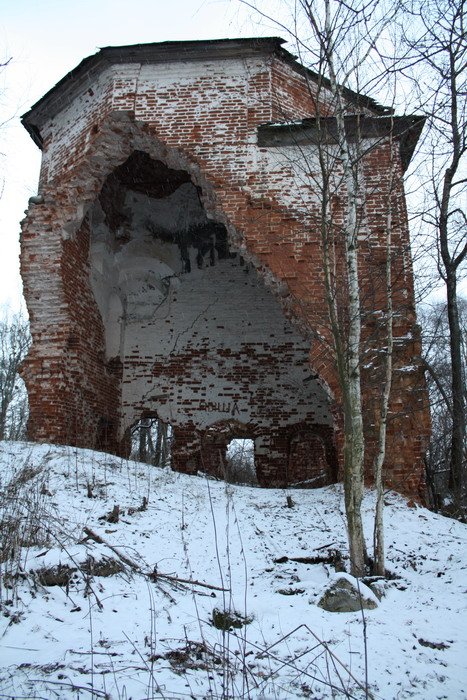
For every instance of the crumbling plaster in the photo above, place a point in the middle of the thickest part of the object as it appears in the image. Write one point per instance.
(221, 308)
(97, 295)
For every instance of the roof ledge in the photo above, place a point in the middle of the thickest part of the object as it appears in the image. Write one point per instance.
(316, 130)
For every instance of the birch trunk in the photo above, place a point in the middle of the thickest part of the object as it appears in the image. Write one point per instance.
(378, 533)
(163, 427)
(354, 449)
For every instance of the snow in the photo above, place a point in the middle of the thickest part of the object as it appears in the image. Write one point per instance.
(137, 634)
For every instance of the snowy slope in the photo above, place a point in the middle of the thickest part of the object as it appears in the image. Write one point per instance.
(139, 634)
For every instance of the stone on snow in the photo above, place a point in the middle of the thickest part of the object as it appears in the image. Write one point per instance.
(345, 593)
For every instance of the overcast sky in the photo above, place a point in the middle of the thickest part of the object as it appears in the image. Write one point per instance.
(47, 39)
(44, 40)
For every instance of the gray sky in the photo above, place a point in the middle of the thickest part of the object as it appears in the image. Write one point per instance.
(47, 39)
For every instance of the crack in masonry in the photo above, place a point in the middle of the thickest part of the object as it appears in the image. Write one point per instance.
(192, 325)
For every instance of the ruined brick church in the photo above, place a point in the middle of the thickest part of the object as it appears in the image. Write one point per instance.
(172, 262)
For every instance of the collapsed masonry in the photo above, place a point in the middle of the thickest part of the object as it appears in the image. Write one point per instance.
(172, 262)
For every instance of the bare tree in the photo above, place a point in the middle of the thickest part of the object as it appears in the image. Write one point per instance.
(340, 62)
(347, 346)
(378, 531)
(437, 358)
(151, 441)
(14, 343)
(240, 461)
(338, 40)
(435, 59)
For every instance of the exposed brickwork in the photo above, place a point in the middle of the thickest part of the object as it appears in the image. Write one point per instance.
(141, 305)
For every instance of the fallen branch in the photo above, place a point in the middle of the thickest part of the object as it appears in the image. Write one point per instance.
(100, 540)
(333, 557)
(153, 575)
(167, 577)
(74, 687)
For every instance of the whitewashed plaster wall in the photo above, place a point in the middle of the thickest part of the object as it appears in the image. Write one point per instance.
(202, 346)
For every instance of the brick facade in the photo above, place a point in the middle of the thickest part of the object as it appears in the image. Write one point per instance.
(172, 265)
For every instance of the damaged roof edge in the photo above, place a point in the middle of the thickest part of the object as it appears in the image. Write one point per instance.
(51, 103)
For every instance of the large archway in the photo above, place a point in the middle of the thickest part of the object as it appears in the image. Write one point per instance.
(198, 336)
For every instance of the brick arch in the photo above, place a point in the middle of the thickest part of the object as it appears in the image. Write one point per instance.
(214, 442)
(67, 199)
(69, 196)
(312, 458)
(83, 410)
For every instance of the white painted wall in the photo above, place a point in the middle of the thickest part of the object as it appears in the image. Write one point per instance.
(237, 355)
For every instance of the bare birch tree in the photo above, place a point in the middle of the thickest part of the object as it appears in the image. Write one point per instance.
(359, 22)
(338, 41)
(348, 348)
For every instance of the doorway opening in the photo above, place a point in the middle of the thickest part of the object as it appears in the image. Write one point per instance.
(240, 461)
(151, 442)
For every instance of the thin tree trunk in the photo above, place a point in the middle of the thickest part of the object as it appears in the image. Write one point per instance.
(354, 450)
(378, 534)
(164, 444)
(158, 448)
(457, 470)
(451, 264)
(143, 441)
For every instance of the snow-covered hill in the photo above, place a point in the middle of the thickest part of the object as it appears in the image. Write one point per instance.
(98, 601)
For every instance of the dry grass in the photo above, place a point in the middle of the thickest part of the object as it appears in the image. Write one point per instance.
(24, 520)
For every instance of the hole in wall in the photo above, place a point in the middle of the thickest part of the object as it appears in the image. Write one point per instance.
(240, 461)
(145, 202)
(184, 321)
(151, 442)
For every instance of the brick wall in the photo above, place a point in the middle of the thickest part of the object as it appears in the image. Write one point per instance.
(105, 348)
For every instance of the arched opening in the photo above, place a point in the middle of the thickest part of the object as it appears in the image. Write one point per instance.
(310, 460)
(199, 338)
(151, 442)
(228, 452)
(240, 460)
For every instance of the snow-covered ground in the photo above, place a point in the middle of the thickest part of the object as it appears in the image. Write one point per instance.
(144, 632)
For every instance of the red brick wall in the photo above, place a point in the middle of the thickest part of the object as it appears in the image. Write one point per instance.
(202, 117)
